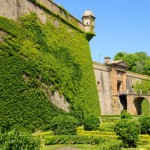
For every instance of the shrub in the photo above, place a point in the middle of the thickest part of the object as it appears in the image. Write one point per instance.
(91, 122)
(125, 115)
(64, 124)
(128, 131)
(145, 124)
(15, 140)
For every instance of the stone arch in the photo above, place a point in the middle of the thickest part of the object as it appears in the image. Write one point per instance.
(138, 101)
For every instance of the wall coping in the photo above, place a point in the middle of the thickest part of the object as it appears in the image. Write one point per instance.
(137, 75)
(52, 6)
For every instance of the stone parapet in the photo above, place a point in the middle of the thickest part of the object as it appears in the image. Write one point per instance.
(100, 66)
(13, 9)
(136, 75)
(62, 12)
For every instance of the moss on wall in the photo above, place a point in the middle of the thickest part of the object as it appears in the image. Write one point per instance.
(32, 54)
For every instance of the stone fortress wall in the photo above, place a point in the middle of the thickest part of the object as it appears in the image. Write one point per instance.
(103, 82)
(13, 9)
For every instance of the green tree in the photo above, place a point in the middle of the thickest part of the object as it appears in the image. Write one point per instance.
(138, 62)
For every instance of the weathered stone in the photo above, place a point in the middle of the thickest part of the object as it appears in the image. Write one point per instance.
(110, 91)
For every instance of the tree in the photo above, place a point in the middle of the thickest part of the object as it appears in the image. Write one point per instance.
(138, 62)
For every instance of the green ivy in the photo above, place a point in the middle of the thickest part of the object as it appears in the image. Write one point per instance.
(143, 86)
(35, 54)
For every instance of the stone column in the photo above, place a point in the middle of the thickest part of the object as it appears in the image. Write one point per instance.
(124, 83)
(130, 105)
(114, 81)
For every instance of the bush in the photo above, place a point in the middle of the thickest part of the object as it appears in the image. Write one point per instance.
(15, 140)
(145, 124)
(125, 115)
(128, 132)
(91, 122)
(64, 124)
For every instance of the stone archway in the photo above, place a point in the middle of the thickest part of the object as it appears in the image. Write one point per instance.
(141, 105)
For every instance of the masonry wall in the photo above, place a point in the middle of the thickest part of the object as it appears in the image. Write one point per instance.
(103, 81)
(13, 9)
(132, 79)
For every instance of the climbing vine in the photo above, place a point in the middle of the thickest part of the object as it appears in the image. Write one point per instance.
(143, 86)
(54, 54)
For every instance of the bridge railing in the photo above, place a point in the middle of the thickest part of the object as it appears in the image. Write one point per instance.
(138, 92)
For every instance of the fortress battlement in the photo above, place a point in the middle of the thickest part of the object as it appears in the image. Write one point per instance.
(14, 9)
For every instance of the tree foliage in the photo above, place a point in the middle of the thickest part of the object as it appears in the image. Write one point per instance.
(138, 62)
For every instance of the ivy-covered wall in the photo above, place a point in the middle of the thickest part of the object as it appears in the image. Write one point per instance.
(33, 54)
(143, 86)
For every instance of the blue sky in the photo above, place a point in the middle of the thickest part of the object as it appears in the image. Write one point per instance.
(121, 25)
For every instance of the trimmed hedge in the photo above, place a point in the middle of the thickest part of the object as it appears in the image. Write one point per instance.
(78, 139)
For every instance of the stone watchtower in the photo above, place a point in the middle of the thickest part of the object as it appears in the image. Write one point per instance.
(88, 20)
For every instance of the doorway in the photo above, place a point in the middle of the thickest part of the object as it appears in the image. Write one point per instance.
(123, 101)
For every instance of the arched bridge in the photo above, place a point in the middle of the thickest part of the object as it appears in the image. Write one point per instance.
(138, 104)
